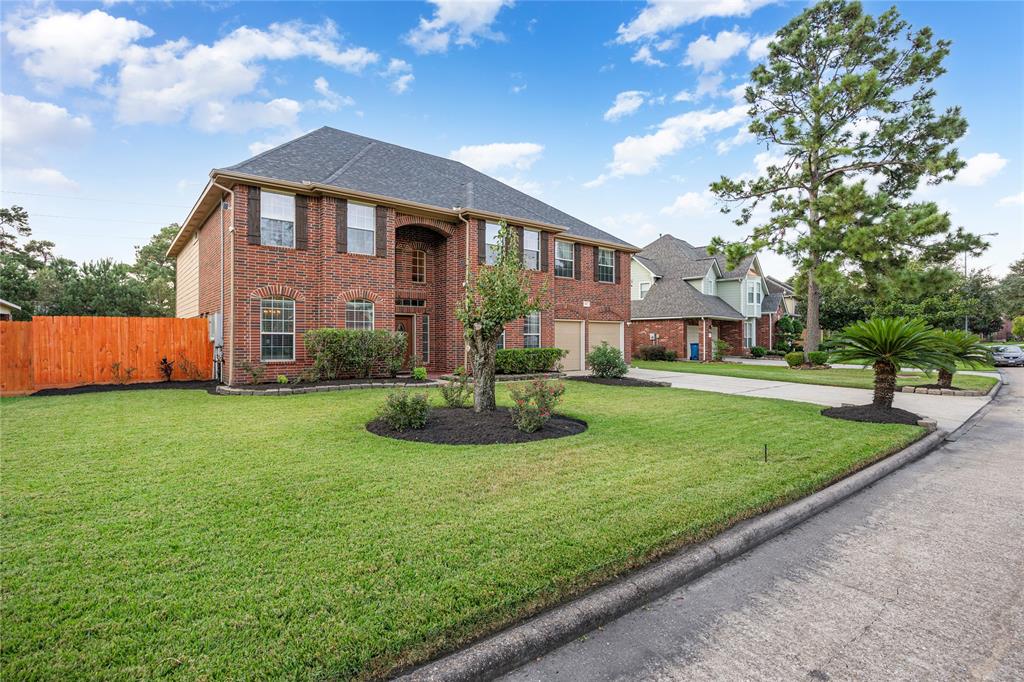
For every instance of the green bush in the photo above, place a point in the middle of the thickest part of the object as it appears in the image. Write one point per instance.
(282, 379)
(419, 373)
(818, 357)
(720, 348)
(341, 353)
(534, 402)
(606, 362)
(758, 351)
(456, 392)
(655, 352)
(527, 360)
(794, 359)
(403, 410)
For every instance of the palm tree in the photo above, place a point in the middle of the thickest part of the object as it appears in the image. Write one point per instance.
(889, 343)
(967, 349)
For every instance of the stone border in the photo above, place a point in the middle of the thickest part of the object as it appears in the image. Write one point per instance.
(952, 392)
(519, 644)
(228, 390)
(503, 378)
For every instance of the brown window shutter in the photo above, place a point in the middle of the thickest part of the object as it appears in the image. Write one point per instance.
(253, 227)
(597, 259)
(301, 222)
(382, 232)
(481, 241)
(341, 225)
(618, 266)
(544, 251)
(519, 236)
(577, 259)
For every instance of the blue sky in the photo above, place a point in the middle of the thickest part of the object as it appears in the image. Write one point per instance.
(618, 113)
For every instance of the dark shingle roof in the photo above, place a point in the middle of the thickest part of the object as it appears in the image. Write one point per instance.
(676, 258)
(771, 302)
(675, 298)
(777, 286)
(649, 264)
(334, 157)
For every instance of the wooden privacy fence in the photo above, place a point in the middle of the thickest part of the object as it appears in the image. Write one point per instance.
(60, 352)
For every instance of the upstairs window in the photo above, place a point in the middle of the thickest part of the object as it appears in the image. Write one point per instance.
(277, 219)
(359, 314)
(362, 221)
(531, 249)
(531, 330)
(492, 243)
(564, 259)
(710, 284)
(605, 265)
(277, 329)
(644, 288)
(419, 266)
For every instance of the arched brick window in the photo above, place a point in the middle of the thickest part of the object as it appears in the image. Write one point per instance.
(359, 314)
(277, 329)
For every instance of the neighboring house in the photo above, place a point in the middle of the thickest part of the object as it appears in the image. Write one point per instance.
(7, 309)
(685, 299)
(334, 229)
(788, 295)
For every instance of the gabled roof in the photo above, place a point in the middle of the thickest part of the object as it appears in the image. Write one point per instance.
(771, 302)
(778, 286)
(328, 156)
(673, 297)
(672, 257)
(649, 264)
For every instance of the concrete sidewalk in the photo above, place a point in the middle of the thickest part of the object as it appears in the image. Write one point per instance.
(949, 411)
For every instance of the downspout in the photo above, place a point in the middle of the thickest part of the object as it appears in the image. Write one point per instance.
(231, 193)
(703, 340)
(465, 285)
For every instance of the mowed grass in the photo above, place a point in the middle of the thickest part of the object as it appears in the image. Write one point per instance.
(178, 534)
(845, 377)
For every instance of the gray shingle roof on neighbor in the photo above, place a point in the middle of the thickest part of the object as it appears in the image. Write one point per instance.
(672, 297)
(771, 302)
(348, 161)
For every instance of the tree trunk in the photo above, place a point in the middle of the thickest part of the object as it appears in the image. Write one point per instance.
(483, 350)
(813, 337)
(945, 378)
(885, 384)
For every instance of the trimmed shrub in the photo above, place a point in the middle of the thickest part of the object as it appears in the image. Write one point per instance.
(818, 357)
(720, 348)
(534, 402)
(606, 362)
(527, 360)
(341, 353)
(655, 352)
(282, 379)
(419, 373)
(456, 392)
(403, 410)
(794, 359)
(758, 351)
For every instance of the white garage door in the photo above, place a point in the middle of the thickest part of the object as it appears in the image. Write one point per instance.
(569, 336)
(610, 332)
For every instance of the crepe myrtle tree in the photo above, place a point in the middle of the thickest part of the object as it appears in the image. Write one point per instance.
(844, 98)
(497, 295)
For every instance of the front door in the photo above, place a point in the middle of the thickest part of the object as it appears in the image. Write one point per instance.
(403, 323)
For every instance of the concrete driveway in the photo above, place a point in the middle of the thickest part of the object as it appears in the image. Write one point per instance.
(919, 577)
(949, 411)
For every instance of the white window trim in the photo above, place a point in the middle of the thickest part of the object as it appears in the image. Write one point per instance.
(292, 358)
(571, 259)
(537, 334)
(601, 250)
(425, 350)
(487, 245)
(501, 341)
(525, 250)
(373, 315)
(263, 194)
(642, 292)
(373, 230)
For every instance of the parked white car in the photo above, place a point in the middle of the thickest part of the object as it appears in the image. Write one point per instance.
(1007, 356)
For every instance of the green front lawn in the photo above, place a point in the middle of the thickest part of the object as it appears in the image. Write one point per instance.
(174, 533)
(847, 378)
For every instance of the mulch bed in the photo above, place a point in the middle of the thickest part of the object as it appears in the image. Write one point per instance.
(622, 381)
(147, 386)
(870, 413)
(268, 385)
(948, 388)
(463, 426)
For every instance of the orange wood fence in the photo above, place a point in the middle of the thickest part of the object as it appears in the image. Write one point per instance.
(59, 352)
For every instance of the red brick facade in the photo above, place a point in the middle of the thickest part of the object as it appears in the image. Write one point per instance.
(678, 334)
(320, 281)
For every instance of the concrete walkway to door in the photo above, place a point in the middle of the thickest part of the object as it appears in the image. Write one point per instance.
(949, 411)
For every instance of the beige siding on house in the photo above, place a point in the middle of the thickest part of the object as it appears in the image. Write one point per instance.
(187, 287)
(638, 274)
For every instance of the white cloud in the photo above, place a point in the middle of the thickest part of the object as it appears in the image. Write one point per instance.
(980, 169)
(329, 99)
(42, 178)
(742, 136)
(683, 96)
(639, 155)
(708, 84)
(626, 103)
(214, 116)
(665, 15)
(1012, 200)
(708, 53)
(644, 55)
(400, 73)
(690, 204)
(759, 47)
(28, 125)
(738, 93)
(70, 48)
(460, 20)
(490, 157)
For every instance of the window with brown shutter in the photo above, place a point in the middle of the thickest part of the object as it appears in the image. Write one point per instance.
(544, 251)
(382, 232)
(341, 225)
(481, 241)
(301, 222)
(253, 227)
(578, 260)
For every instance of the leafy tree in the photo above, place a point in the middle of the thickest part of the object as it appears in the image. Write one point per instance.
(157, 271)
(965, 348)
(17, 284)
(495, 296)
(1011, 290)
(1017, 329)
(106, 287)
(13, 225)
(789, 329)
(889, 343)
(845, 97)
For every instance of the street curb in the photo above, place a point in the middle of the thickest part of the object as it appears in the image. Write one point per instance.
(515, 646)
(979, 413)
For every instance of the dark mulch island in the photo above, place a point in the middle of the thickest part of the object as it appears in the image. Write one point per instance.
(948, 388)
(870, 413)
(463, 426)
(148, 386)
(622, 381)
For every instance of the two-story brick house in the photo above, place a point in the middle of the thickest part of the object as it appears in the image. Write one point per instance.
(334, 229)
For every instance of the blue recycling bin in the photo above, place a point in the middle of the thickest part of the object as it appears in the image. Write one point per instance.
(694, 351)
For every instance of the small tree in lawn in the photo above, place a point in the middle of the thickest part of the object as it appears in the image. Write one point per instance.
(965, 348)
(497, 295)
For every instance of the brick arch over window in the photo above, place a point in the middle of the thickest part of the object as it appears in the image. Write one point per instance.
(359, 294)
(277, 291)
(445, 228)
(608, 314)
(568, 312)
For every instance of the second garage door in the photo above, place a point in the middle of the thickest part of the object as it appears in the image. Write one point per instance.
(610, 332)
(569, 337)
